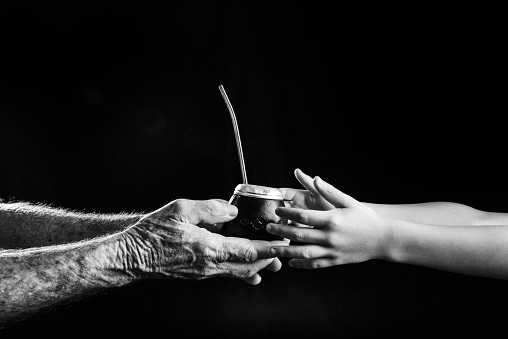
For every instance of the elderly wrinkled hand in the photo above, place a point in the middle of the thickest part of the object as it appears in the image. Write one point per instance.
(182, 240)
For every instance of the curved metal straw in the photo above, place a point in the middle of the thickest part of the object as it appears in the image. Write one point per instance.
(237, 133)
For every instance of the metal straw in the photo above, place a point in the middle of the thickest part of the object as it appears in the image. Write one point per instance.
(237, 133)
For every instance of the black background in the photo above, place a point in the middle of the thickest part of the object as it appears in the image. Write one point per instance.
(114, 106)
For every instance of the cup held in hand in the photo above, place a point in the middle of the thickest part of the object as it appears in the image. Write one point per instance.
(256, 208)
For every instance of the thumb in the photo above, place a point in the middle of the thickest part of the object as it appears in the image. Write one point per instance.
(333, 195)
(209, 212)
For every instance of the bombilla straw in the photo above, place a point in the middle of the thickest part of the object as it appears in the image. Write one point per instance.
(237, 133)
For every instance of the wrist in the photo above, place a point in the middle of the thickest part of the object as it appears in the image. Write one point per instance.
(109, 259)
(389, 249)
(137, 256)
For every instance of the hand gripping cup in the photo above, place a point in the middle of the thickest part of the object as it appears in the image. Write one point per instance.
(256, 208)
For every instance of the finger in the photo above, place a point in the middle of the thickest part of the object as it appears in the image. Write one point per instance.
(306, 181)
(254, 280)
(247, 271)
(263, 248)
(304, 199)
(209, 212)
(294, 197)
(289, 193)
(275, 265)
(217, 227)
(272, 264)
(311, 263)
(299, 234)
(301, 252)
(222, 201)
(296, 224)
(292, 223)
(307, 217)
(245, 250)
(283, 242)
(311, 196)
(333, 195)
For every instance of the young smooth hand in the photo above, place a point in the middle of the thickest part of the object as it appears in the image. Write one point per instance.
(334, 228)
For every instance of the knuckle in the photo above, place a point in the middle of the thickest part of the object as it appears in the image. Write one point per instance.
(301, 236)
(242, 250)
(335, 219)
(179, 209)
(302, 217)
(250, 253)
(180, 205)
(315, 264)
(332, 240)
(205, 251)
(305, 254)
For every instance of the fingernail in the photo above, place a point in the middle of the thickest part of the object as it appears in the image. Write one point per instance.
(232, 210)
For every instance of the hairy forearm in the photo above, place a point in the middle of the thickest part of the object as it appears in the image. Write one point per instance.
(32, 280)
(24, 225)
(439, 213)
(472, 250)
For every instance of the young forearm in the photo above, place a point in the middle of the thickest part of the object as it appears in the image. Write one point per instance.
(439, 213)
(57, 274)
(471, 250)
(24, 225)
